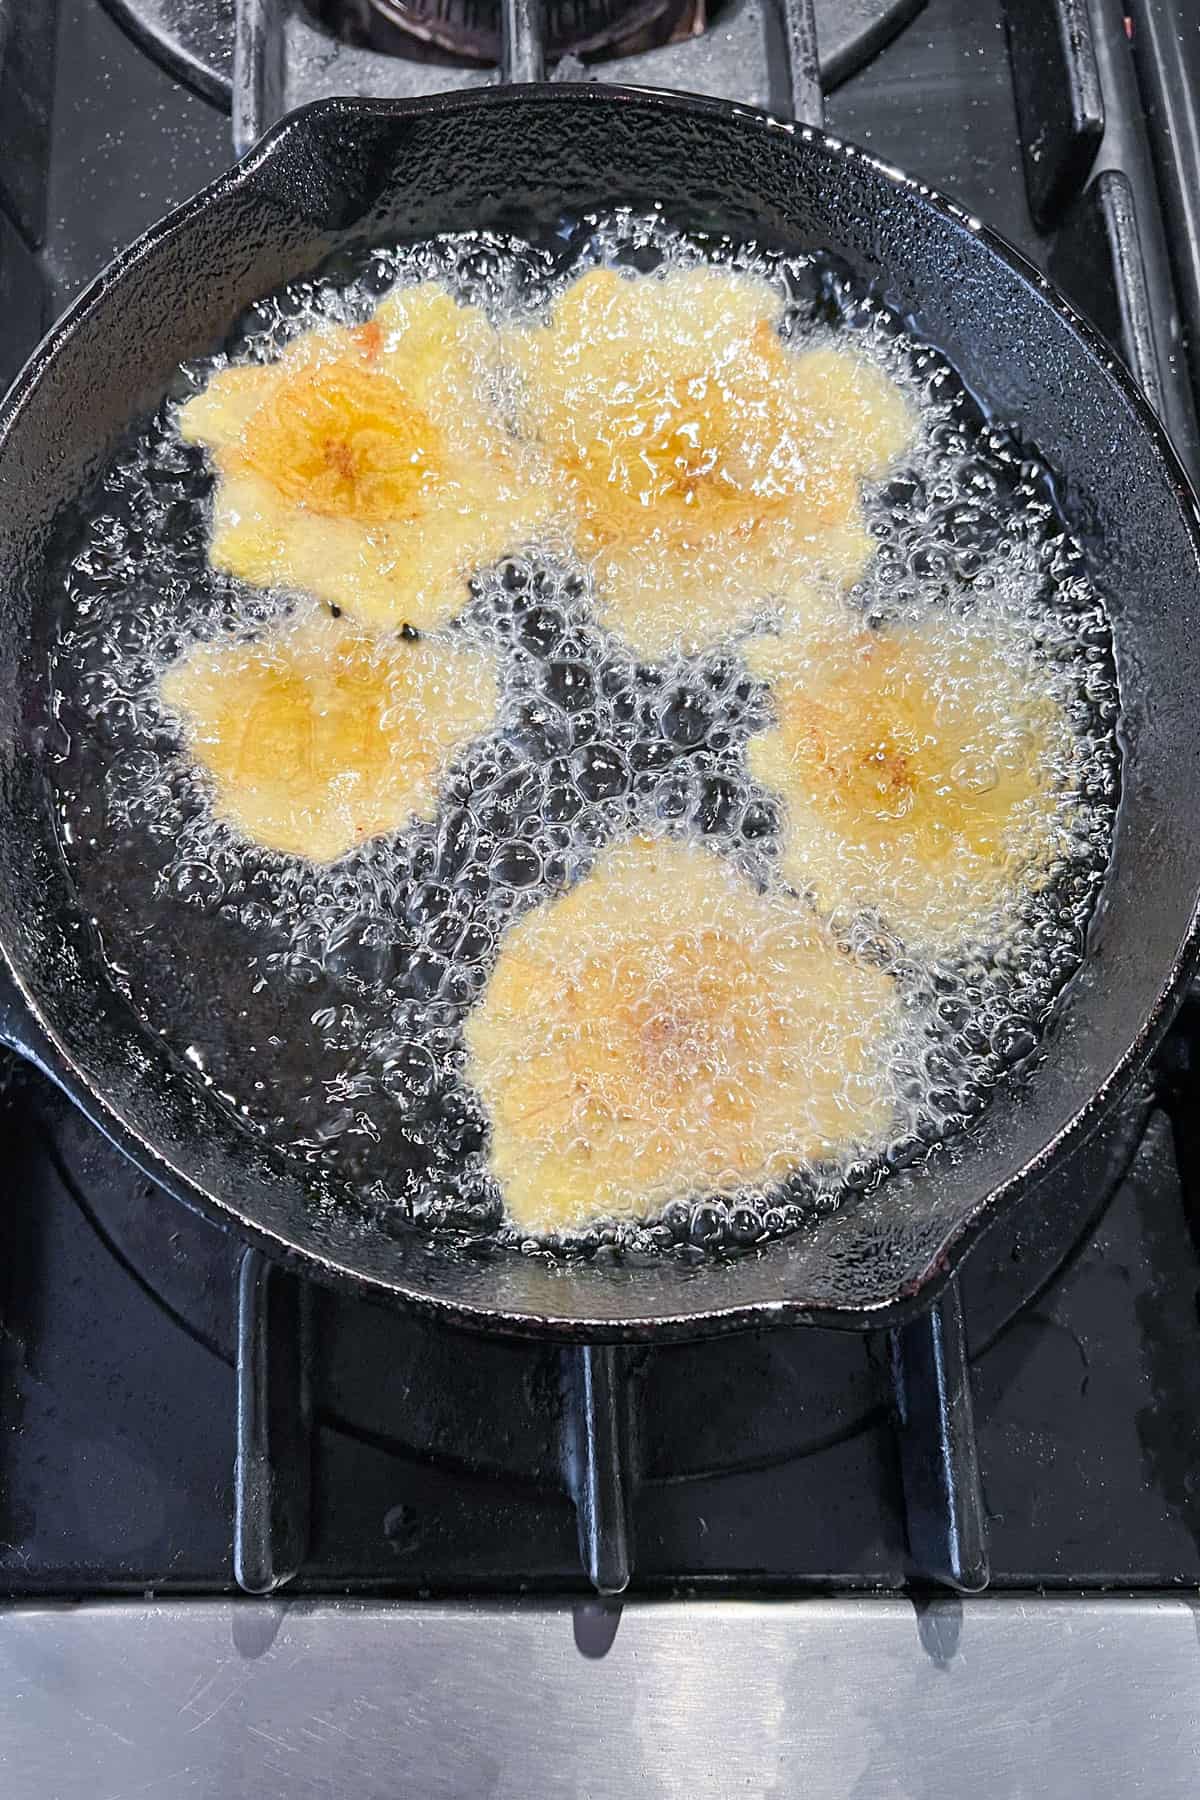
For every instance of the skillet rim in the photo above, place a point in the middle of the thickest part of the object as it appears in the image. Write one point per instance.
(32, 1034)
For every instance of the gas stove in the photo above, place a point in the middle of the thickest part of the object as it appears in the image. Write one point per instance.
(435, 1527)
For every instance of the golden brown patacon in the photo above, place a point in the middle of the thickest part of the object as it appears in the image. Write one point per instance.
(712, 468)
(662, 1031)
(318, 735)
(922, 770)
(368, 465)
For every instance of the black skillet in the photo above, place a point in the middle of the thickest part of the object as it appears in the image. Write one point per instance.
(344, 170)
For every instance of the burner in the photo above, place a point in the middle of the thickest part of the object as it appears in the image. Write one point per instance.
(470, 29)
(193, 39)
(484, 1403)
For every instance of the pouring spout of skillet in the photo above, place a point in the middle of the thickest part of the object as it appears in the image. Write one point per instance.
(340, 174)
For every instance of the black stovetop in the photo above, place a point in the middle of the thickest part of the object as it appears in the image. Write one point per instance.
(171, 1411)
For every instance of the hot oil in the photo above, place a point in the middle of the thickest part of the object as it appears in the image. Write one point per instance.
(325, 1003)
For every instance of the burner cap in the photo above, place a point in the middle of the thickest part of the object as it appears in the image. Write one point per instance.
(470, 29)
(193, 39)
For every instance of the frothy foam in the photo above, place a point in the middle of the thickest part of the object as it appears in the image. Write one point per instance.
(326, 1003)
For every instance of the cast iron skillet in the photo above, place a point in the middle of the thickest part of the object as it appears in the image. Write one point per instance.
(344, 170)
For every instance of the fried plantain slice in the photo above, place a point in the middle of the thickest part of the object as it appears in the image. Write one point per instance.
(921, 771)
(318, 736)
(664, 1031)
(367, 466)
(713, 467)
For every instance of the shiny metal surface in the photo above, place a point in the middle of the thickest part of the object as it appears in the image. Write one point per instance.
(522, 40)
(1075, 1697)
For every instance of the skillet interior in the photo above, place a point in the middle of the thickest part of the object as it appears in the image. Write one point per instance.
(345, 171)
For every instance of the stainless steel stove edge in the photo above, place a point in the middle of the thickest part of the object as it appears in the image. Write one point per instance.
(1072, 1696)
